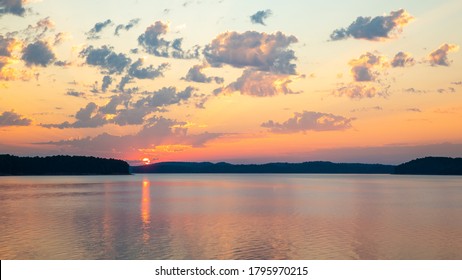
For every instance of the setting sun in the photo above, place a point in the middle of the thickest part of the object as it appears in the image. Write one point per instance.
(146, 161)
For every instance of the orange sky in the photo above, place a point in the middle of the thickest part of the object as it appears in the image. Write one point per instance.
(244, 82)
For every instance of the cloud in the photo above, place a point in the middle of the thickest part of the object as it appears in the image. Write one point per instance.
(259, 84)
(106, 59)
(107, 81)
(375, 29)
(402, 59)
(414, 90)
(125, 109)
(94, 33)
(13, 119)
(448, 90)
(265, 52)
(160, 131)
(416, 110)
(440, 55)
(38, 53)
(8, 47)
(132, 23)
(14, 7)
(195, 75)
(75, 93)
(164, 97)
(153, 43)
(359, 91)
(367, 109)
(366, 67)
(136, 71)
(85, 117)
(260, 17)
(61, 37)
(305, 121)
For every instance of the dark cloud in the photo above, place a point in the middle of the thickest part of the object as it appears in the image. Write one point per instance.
(123, 82)
(417, 110)
(94, 33)
(195, 75)
(62, 63)
(85, 118)
(115, 102)
(266, 52)
(153, 42)
(402, 59)
(132, 23)
(260, 17)
(38, 53)
(14, 7)
(164, 97)
(259, 84)
(367, 67)
(457, 83)
(107, 81)
(136, 71)
(440, 55)
(377, 28)
(13, 119)
(125, 109)
(106, 59)
(305, 121)
(75, 93)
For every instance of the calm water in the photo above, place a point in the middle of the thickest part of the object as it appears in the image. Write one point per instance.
(231, 217)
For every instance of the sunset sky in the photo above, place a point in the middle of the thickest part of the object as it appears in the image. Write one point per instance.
(231, 80)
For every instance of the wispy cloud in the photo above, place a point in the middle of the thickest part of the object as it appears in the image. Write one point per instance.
(95, 32)
(306, 120)
(260, 17)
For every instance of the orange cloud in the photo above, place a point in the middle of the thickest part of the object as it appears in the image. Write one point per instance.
(440, 55)
(367, 67)
(259, 84)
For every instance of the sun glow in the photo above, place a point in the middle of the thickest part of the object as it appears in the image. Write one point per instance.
(146, 161)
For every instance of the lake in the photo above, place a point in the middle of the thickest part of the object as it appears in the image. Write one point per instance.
(255, 216)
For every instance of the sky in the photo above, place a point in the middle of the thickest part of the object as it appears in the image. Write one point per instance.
(231, 80)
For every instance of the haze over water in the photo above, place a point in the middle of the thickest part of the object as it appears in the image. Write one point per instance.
(231, 217)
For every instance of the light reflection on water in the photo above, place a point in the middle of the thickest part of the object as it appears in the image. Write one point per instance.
(231, 217)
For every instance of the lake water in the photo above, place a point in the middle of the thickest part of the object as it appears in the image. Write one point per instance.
(231, 217)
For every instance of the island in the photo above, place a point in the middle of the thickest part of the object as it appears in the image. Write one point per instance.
(61, 165)
(431, 166)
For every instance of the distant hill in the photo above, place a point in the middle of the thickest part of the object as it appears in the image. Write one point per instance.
(61, 165)
(306, 167)
(431, 166)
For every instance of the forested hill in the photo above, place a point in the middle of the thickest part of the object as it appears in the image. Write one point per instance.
(306, 167)
(431, 166)
(61, 165)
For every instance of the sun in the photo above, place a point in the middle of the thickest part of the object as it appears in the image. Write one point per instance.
(146, 161)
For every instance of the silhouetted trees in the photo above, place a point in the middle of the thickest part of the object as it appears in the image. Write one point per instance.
(223, 167)
(61, 165)
(431, 166)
